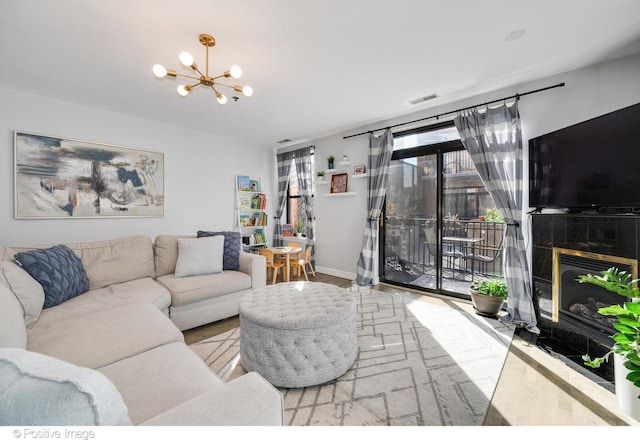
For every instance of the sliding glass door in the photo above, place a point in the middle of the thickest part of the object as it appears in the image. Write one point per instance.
(436, 236)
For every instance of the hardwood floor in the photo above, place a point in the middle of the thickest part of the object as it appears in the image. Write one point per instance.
(535, 388)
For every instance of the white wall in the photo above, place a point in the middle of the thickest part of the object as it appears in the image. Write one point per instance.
(588, 92)
(199, 171)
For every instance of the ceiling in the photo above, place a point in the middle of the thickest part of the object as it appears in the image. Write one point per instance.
(316, 67)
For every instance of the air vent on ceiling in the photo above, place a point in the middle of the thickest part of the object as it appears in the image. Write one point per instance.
(284, 141)
(423, 99)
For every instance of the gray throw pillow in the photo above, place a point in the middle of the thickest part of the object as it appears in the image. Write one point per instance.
(199, 256)
(58, 269)
(232, 247)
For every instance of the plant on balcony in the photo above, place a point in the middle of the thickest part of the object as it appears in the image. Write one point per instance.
(488, 295)
(493, 216)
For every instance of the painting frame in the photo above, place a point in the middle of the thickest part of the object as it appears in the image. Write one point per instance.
(359, 169)
(57, 177)
(339, 183)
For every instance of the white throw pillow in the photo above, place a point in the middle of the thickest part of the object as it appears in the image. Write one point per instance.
(200, 256)
(39, 390)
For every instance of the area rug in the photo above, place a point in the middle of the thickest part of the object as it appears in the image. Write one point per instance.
(418, 364)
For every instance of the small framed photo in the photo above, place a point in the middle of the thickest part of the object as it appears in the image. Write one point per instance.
(339, 183)
(360, 169)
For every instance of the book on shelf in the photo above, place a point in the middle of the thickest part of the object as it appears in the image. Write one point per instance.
(244, 183)
(259, 219)
(258, 201)
(245, 202)
(254, 185)
(245, 221)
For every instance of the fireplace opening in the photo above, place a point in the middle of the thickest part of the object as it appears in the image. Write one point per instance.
(576, 303)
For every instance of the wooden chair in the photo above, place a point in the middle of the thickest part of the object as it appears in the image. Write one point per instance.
(295, 256)
(301, 263)
(272, 264)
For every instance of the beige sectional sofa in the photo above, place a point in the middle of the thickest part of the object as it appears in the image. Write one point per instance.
(117, 350)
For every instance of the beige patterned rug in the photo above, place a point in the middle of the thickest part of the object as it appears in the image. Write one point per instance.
(418, 364)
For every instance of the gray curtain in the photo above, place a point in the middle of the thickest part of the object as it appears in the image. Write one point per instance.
(284, 161)
(380, 151)
(493, 138)
(304, 169)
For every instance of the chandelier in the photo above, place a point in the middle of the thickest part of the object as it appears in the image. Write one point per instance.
(186, 59)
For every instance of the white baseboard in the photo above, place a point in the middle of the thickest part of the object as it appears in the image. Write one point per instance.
(336, 273)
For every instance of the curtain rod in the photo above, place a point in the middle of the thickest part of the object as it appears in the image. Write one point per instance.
(517, 96)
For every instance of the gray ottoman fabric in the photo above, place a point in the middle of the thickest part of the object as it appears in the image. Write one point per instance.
(298, 334)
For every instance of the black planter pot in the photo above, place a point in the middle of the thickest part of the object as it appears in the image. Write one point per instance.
(486, 305)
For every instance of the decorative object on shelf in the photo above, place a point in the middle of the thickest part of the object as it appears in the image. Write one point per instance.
(345, 158)
(488, 296)
(330, 160)
(186, 59)
(320, 175)
(625, 347)
(300, 228)
(254, 186)
(339, 183)
(360, 169)
(287, 230)
(69, 178)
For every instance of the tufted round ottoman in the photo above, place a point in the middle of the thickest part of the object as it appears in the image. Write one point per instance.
(298, 334)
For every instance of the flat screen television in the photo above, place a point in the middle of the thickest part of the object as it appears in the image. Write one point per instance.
(588, 166)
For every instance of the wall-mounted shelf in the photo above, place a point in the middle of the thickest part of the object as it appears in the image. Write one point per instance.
(344, 194)
(359, 176)
(322, 182)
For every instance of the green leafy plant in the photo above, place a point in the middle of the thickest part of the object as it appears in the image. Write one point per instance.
(493, 216)
(330, 159)
(300, 227)
(320, 174)
(491, 287)
(627, 317)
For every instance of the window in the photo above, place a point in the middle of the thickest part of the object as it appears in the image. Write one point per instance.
(295, 207)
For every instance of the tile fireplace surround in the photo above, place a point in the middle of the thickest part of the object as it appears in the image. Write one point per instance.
(606, 235)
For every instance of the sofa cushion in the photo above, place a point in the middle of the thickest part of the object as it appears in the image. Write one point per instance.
(58, 270)
(116, 261)
(160, 379)
(232, 247)
(101, 338)
(38, 390)
(166, 253)
(199, 256)
(14, 330)
(28, 291)
(193, 289)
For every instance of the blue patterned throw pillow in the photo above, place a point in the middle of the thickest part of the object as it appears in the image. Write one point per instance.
(232, 247)
(59, 271)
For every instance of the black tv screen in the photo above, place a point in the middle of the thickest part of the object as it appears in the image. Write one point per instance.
(591, 165)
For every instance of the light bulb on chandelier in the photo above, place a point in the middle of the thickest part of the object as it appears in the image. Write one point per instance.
(186, 59)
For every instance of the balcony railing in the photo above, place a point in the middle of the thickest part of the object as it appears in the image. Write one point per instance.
(410, 245)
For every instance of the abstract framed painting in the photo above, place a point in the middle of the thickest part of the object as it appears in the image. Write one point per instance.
(69, 178)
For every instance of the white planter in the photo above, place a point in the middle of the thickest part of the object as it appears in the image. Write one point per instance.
(626, 392)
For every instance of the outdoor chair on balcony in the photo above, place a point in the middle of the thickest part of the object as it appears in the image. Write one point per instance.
(483, 256)
(451, 255)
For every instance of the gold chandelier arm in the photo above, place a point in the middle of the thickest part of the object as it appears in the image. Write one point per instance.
(230, 87)
(196, 78)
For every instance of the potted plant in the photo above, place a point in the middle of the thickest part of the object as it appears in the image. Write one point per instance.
(320, 175)
(330, 160)
(300, 228)
(488, 296)
(626, 345)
